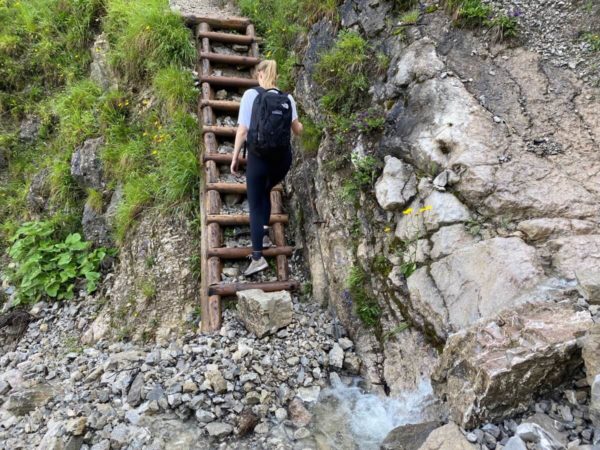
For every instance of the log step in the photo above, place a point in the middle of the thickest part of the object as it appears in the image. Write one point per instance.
(242, 219)
(229, 81)
(228, 38)
(233, 188)
(242, 252)
(230, 59)
(221, 105)
(232, 23)
(228, 289)
(222, 158)
(219, 131)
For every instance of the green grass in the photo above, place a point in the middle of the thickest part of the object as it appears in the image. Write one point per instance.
(311, 136)
(593, 39)
(410, 17)
(474, 13)
(363, 176)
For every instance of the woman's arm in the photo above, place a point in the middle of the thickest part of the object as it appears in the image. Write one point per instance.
(240, 138)
(297, 127)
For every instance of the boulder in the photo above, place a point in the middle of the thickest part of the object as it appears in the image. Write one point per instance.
(472, 283)
(408, 437)
(264, 313)
(95, 228)
(397, 184)
(591, 353)
(100, 70)
(450, 239)
(546, 228)
(531, 432)
(588, 280)
(575, 254)
(448, 437)
(39, 191)
(86, 165)
(445, 209)
(219, 429)
(23, 401)
(418, 63)
(30, 129)
(524, 351)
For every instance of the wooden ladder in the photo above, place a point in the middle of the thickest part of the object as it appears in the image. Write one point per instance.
(228, 31)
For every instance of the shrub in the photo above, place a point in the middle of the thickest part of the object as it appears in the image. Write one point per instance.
(366, 307)
(44, 266)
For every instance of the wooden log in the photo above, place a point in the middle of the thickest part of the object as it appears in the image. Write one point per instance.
(214, 316)
(229, 81)
(220, 131)
(214, 237)
(212, 173)
(227, 38)
(208, 116)
(228, 289)
(221, 158)
(242, 252)
(232, 23)
(213, 202)
(233, 188)
(205, 46)
(254, 51)
(222, 58)
(213, 274)
(210, 144)
(221, 105)
(242, 219)
(283, 270)
(208, 92)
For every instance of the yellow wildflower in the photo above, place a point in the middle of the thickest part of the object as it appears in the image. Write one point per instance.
(155, 152)
(387, 229)
(407, 211)
(425, 208)
(145, 133)
(147, 27)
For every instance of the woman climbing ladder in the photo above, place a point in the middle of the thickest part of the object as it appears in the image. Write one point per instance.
(265, 119)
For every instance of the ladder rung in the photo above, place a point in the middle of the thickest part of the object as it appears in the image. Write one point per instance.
(219, 131)
(230, 59)
(225, 289)
(235, 23)
(242, 252)
(233, 188)
(242, 219)
(229, 81)
(221, 105)
(222, 158)
(228, 38)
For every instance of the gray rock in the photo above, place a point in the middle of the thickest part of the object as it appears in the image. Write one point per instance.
(100, 69)
(534, 348)
(39, 191)
(419, 62)
(591, 353)
(447, 437)
(589, 284)
(299, 415)
(397, 184)
(217, 381)
(515, 443)
(204, 416)
(450, 239)
(264, 313)
(446, 209)
(94, 226)
(23, 401)
(309, 394)
(595, 403)
(86, 164)
(336, 356)
(408, 437)
(219, 429)
(531, 432)
(30, 128)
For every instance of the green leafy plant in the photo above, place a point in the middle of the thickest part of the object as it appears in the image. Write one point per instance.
(44, 266)
(366, 306)
(363, 176)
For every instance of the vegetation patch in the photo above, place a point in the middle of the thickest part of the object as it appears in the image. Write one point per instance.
(44, 265)
(366, 307)
(475, 13)
(363, 176)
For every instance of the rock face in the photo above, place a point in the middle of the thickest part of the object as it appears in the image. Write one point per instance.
(100, 70)
(448, 437)
(591, 353)
(86, 165)
(408, 437)
(472, 283)
(396, 185)
(95, 228)
(521, 352)
(39, 192)
(30, 128)
(264, 312)
(154, 288)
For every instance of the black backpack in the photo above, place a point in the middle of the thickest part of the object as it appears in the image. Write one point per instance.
(269, 134)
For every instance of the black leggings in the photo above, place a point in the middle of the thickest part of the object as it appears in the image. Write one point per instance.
(261, 176)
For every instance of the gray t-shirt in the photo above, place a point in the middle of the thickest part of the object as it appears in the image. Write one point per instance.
(246, 107)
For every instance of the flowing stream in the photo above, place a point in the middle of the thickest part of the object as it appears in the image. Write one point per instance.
(347, 418)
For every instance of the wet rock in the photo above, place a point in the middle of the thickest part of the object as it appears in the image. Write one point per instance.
(247, 422)
(408, 437)
(447, 437)
(472, 283)
(397, 184)
(336, 356)
(528, 349)
(264, 313)
(299, 415)
(86, 164)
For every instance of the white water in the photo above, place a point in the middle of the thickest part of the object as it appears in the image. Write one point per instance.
(348, 418)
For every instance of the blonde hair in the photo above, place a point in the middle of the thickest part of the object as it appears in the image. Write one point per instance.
(269, 69)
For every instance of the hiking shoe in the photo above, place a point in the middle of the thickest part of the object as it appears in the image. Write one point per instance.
(256, 266)
(267, 242)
